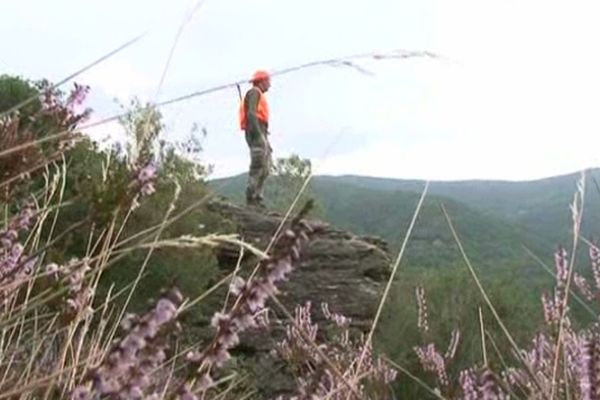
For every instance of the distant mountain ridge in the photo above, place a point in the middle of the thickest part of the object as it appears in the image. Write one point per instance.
(540, 206)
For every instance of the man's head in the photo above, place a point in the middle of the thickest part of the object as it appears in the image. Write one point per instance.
(262, 80)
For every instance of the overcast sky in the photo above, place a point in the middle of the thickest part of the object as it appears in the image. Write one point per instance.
(515, 96)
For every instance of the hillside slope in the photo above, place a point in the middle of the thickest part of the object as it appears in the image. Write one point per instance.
(489, 240)
(540, 207)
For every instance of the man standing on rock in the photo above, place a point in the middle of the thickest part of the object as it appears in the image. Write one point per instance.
(254, 121)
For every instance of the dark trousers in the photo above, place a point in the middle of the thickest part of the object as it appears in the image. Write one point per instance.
(260, 165)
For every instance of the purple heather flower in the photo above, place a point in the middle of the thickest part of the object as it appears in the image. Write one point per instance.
(338, 319)
(194, 356)
(562, 266)
(78, 94)
(219, 356)
(468, 384)
(229, 339)
(78, 295)
(244, 322)
(143, 180)
(516, 377)
(165, 311)
(147, 173)
(422, 321)
(316, 379)
(81, 393)
(205, 382)
(237, 285)
(135, 392)
(487, 386)
(538, 356)
(551, 315)
(586, 369)
(219, 319)
(186, 394)
(125, 371)
(432, 361)
(595, 259)
(583, 286)
(279, 270)
(52, 269)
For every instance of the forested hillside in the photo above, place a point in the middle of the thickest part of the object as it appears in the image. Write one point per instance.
(495, 219)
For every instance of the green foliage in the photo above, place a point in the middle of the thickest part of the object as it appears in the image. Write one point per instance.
(453, 301)
(293, 170)
(14, 90)
(47, 112)
(143, 124)
(94, 179)
(539, 208)
(100, 181)
(43, 109)
(290, 175)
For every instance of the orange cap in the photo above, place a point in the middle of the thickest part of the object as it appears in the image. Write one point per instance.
(260, 75)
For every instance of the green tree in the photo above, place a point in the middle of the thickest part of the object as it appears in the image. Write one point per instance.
(43, 110)
(142, 124)
(15, 90)
(97, 187)
(289, 176)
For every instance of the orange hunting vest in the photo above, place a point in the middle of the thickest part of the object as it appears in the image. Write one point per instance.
(262, 110)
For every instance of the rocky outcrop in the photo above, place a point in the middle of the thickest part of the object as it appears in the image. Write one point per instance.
(339, 268)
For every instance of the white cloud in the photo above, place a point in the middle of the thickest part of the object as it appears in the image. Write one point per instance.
(119, 79)
(227, 166)
(451, 160)
(105, 134)
(514, 100)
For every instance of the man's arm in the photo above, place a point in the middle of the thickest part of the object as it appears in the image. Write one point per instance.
(252, 98)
